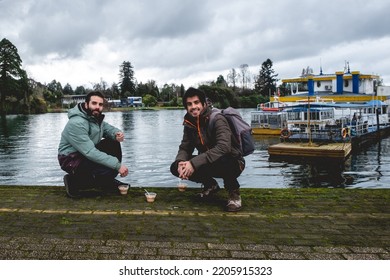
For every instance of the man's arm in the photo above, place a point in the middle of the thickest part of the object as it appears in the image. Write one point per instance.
(79, 139)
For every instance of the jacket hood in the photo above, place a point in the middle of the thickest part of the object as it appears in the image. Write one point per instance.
(77, 110)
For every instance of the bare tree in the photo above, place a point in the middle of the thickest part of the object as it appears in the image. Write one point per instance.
(233, 77)
(245, 75)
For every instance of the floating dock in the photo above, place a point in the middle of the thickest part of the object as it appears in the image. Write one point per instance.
(339, 151)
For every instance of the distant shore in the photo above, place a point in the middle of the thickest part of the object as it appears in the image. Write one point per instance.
(122, 109)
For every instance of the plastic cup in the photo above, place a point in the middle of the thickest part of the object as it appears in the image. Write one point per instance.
(123, 189)
(182, 186)
(150, 196)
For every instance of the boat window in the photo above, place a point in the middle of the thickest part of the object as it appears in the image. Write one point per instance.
(346, 83)
(293, 116)
(318, 84)
(313, 116)
(327, 115)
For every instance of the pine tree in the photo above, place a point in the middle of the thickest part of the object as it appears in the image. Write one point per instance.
(265, 83)
(127, 85)
(10, 71)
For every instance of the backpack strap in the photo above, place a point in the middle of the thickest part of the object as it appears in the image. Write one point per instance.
(211, 125)
(215, 112)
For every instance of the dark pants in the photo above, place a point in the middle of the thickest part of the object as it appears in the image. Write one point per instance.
(92, 173)
(227, 168)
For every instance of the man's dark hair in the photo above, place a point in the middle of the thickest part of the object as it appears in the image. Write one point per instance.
(191, 92)
(93, 93)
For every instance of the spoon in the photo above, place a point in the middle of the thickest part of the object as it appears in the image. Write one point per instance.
(146, 191)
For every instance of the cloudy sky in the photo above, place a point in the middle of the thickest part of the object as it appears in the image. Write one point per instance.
(192, 41)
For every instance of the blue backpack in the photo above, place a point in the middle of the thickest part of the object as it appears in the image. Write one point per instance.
(241, 130)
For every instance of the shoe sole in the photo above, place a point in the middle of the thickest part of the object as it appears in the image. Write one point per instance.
(233, 210)
(66, 183)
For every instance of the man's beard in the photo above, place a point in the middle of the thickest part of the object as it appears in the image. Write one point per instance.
(96, 113)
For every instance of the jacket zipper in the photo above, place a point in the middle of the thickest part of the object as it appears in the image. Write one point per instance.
(197, 127)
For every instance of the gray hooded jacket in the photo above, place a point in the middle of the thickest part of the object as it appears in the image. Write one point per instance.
(82, 132)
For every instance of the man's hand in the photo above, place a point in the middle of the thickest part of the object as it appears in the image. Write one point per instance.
(123, 171)
(185, 169)
(119, 136)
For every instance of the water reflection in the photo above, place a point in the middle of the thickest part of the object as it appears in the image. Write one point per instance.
(28, 155)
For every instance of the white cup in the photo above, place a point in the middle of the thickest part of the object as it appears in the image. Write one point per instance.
(150, 196)
(123, 189)
(181, 186)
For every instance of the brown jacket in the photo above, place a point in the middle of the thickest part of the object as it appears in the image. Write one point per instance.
(211, 145)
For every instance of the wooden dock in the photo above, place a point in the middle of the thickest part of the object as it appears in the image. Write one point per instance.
(337, 151)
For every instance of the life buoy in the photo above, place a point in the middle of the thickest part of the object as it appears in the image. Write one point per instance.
(285, 133)
(344, 132)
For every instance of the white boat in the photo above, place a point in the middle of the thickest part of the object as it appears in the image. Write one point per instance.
(330, 131)
(338, 122)
(269, 118)
(343, 87)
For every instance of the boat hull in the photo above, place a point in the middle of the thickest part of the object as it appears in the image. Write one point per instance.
(266, 131)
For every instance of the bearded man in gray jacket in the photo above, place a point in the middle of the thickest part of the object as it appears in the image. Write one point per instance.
(89, 149)
(217, 155)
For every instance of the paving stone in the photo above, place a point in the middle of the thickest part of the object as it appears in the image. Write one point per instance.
(219, 246)
(248, 255)
(323, 256)
(140, 251)
(367, 250)
(361, 256)
(174, 252)
(105, 249)
(212, 254)
(70, 248)
(188, 245)
(155, 244)
(331, 249)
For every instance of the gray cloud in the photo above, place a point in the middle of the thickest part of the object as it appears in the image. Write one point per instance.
(186, 38)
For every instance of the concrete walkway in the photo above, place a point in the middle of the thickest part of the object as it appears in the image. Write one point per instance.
(274, 224)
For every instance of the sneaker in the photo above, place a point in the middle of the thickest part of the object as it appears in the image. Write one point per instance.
(208, 192)
(234, 202)
(69, 188)
(118, 183)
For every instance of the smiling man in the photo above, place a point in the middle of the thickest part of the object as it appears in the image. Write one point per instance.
(89, 149)
(217, 157)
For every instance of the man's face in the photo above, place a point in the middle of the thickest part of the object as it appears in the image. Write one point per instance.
(194, 106)
(95, 105)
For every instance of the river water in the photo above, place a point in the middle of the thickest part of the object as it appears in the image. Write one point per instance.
(28, 155)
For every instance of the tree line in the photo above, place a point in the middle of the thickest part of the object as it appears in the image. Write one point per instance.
(20, 94)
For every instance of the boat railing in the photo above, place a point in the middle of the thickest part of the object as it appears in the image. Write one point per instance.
(343, 130)
(315, 99)
(271, 106)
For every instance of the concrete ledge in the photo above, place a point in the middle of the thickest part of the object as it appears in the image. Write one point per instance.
(43, 223)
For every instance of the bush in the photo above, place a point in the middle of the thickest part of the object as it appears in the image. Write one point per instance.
(149, 100)
(38, 106)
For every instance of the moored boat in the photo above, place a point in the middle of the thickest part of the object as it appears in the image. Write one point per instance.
(315, 129)
(269, 118)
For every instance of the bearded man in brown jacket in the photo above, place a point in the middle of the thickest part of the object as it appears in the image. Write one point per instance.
(217, 155)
